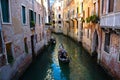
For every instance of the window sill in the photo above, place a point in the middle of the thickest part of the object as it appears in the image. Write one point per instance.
(24, 24)
(6, 23)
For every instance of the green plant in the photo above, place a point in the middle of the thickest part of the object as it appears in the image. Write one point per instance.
(88, 19)
(32, 24)
(95, 19)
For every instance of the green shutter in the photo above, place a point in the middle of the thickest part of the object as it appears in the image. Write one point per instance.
(23, 15)
(5, 10)
(39, 19)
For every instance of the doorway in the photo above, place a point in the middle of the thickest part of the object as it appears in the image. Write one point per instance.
(95, 44)
(32, 46)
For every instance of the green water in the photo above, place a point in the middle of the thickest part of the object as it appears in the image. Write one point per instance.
(81, 67)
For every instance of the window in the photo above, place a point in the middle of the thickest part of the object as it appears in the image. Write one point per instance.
(35, 17)
(107, 42)
(77, 9)
(9, 52)
(59, 16)
(104, 6)
(5, 11)
(31, 15)
(1, 45)
(59, 22)
(31, 18)
(94, 8)
(111, 5)
(81, 6)
(87, 33)
(59, 8)
(23, 15)
(39, 18)
(88, 11)
(25, 45)
(117, 8)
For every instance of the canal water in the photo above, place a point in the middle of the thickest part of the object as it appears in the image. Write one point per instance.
(81, 67)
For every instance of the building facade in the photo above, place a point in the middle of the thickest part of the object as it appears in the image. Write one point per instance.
(57, 9)
(96, 24)
(21, 35)
(46, 4)
(110, 48)
(91, 29)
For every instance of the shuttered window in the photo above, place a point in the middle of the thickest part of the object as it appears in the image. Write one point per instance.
(111, 6)
(107, 42)
(5, 11)
(23, 15)
(35, 16)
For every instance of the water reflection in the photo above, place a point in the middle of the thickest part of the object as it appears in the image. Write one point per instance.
(81, 67)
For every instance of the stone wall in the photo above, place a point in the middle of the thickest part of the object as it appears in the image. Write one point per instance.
(15, 32)
(111, 60)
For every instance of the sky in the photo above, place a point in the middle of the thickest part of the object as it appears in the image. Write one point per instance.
(51, 2)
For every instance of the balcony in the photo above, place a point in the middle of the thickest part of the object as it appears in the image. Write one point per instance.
(110, 21)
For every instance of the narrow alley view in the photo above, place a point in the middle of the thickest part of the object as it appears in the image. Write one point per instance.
(59, 39)
(81, 67)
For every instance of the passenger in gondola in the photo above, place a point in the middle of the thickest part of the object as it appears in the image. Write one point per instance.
(63, 53)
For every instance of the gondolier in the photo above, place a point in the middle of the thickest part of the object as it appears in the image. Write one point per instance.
(62, 54)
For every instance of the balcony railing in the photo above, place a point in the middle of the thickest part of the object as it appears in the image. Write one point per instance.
(111, 20)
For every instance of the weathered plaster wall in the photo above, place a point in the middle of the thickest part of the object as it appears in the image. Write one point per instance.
(16, 31)
(111, 60)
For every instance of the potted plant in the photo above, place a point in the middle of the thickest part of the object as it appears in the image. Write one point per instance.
(32, 24)
(95, 19)
(88, 19)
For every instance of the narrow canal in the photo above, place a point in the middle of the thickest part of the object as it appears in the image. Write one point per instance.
(81, 67)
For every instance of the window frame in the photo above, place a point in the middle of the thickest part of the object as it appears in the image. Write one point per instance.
(10, 20)
(108, 52)
(22, 14)
(109, 6)
(39, 19)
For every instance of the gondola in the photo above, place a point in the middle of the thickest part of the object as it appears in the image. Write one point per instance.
(52, 41)
(63, 59)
